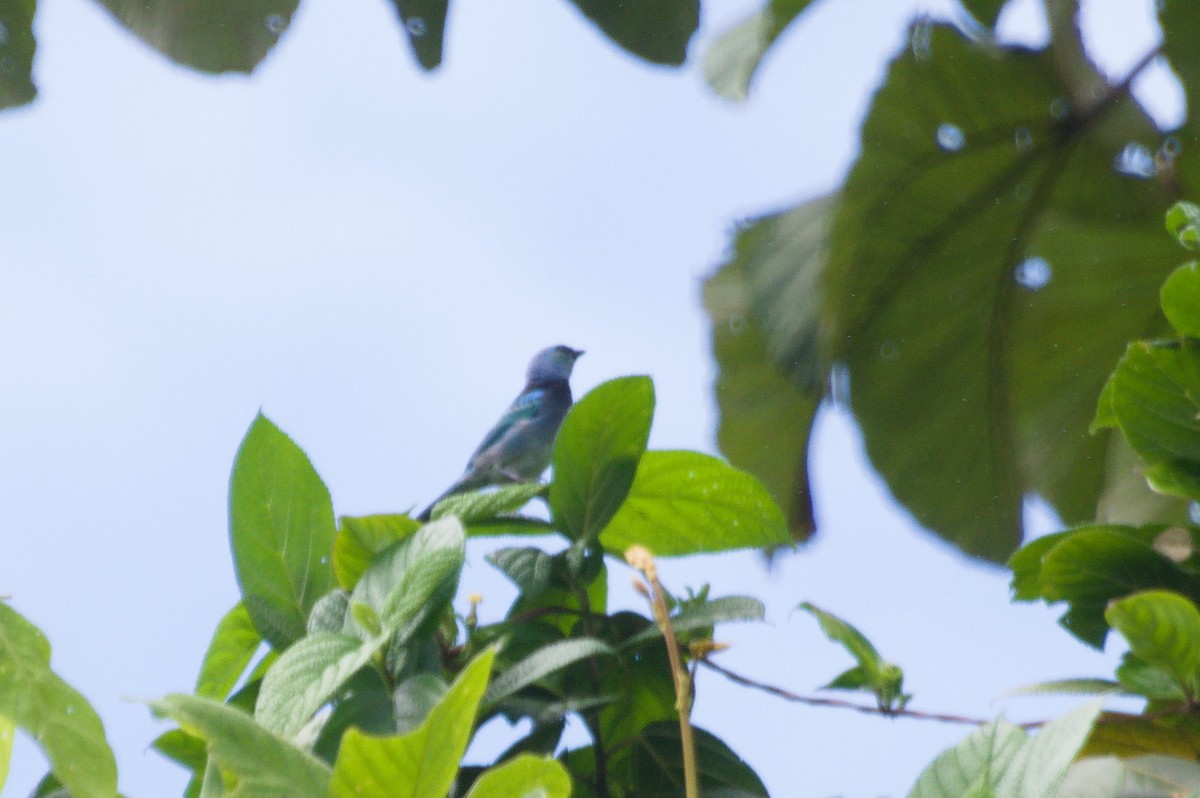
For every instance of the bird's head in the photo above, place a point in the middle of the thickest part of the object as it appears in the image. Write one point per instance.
(552, 364)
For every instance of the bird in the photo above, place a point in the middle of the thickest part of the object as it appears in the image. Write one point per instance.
(520, 445)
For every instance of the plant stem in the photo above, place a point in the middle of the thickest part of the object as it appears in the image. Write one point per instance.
(641, 559)
(1084, 80)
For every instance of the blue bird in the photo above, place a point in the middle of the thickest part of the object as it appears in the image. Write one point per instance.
(520, 445)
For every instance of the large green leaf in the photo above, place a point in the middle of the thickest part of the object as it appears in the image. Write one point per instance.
(52, 712)
(989, 240)
(657, 765)
(768, 293)
(1180, 298)
(526, 776)
(8, 731)
(1089, 567)
(360, 538)
(264, 765)
(229, 652)
(541, 663)
(308, 673)
(999, 760)
(597, 451)
(17, 46)
(732, 61)
(685, 502)
(656, 30)
(208, 36)
(1163, 630)
(1181, 44)
(281, 530)
(421, 764)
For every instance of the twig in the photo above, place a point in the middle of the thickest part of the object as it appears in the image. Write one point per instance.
(641, 559)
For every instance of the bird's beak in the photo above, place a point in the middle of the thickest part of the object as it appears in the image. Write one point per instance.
(577, 353)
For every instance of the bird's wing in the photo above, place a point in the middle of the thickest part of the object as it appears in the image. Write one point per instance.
(524, 409)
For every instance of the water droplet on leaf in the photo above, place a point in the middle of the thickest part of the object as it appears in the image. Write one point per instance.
(1135, 160)
(888, 350)
(416, 26)
(950, 137)
(1023, 139)
(276, 23)
(1033, 273)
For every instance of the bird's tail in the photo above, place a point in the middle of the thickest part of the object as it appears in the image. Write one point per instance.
(466, 482)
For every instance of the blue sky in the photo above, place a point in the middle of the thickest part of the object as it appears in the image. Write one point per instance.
(371, 255)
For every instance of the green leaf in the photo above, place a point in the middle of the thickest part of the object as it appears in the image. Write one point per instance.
(1181, 45)
(1090, 566)
(882, 678)
(7, 732)
(281, 530)
(264, 765)
(1128, 736)
(733, 59)
(329, 613)
(54, 714)
(360, 539)
(1180, 295)
(964, 769)
(1067, 687)
(423, 763)
(424, 23)
(1156, 399)
(986, 11)
(542, 663)
(655, 30)
(366, 618)
(305, 677)
(415, 698)
(1163, 630)
(596, 454)
(229, 653)
(413, 581)
(483, 506)
(1183, 222)
(210, 37)
(685, 502)
(364, 704)
(1041, 763)
(764, 305)
(17, 46)
(985, 246)
(657, 763)
(526, 776)
(1141, 678)
(529, 569)
(704, 616)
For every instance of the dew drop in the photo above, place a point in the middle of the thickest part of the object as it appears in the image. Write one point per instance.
(889, 351)
(8, 65)
(737, 325)
(1059, 109)
(1033, 273)
(1172, 147)
(1023, 139)
(950, 137)
(416, 26)
(1022, 192)
(4, 36)
(1135, 160)
(276, 23)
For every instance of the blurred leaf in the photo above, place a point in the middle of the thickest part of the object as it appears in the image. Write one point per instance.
(986, 11)
(1000, 760)
(684, 502)
(281, 531)
(1183, 222)
(528, 568)
(596, 454)
(306, 675)
(54, 714)
(17, 47)
(1161, 777)
(360, 539)
(1127, 736)
(1141, 678)
(265, 766)
(329, 613)
(1155, 397)
(733, 59)
(541, 663)
(363, 704)
(985, 245)
(8, 730)
(1163, 630)
(655, 30)
(657, 764)
(764, 306)
(485, 505)
(1181, 45)
(420, 764)
(704, 615)
(1090, 566)
(210, 37)
(1095, 778)
(415, 698)
(229, 653)
(1067, 687)
(526, 776)
(424, 23)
